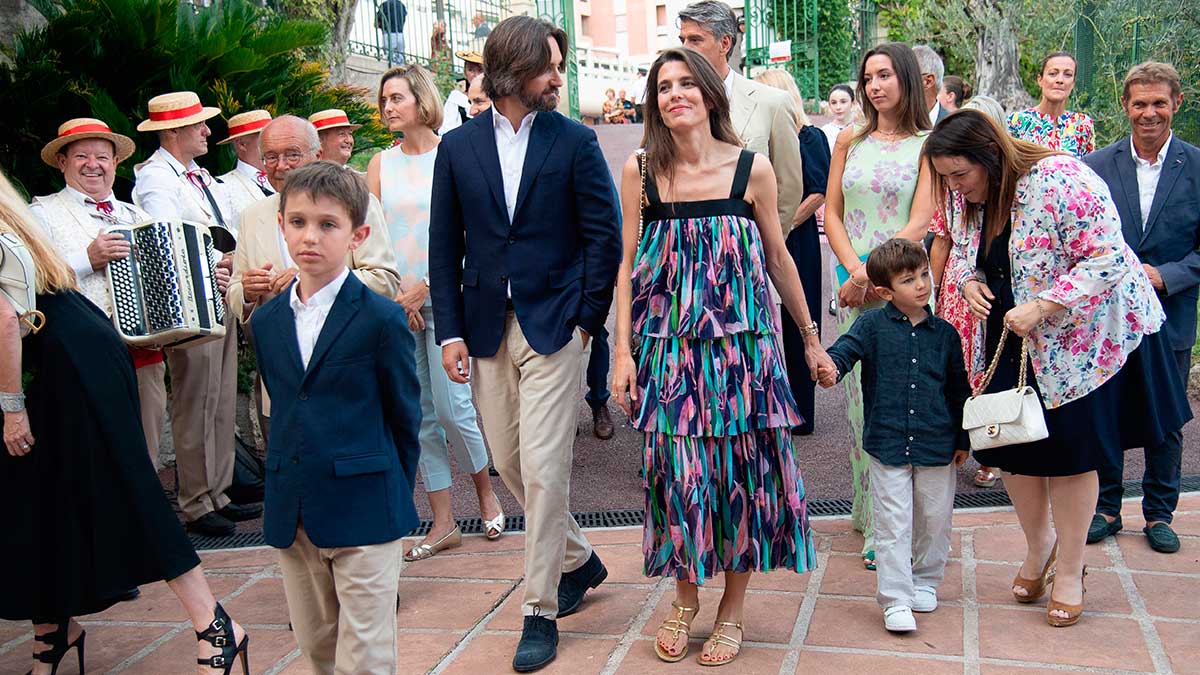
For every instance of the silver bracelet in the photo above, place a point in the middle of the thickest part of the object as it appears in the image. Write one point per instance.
(11, 403)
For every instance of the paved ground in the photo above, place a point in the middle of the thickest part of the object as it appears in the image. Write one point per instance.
(460, 613)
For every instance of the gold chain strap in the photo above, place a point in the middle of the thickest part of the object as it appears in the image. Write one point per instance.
(641, 157)
(987, 378)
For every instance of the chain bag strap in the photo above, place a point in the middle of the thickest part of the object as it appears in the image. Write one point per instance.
(1008, 417)
(635, 341)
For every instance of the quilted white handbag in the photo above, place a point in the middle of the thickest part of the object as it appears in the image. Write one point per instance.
(1008, 417)
(18, 282)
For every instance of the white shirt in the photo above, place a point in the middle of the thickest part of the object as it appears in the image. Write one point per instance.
(639, 90)
(511, 145)
(1147, 176)
(729, 83)
(311, 315)
(157, 188)
(451, 117)
(253, 174)
(934, 111)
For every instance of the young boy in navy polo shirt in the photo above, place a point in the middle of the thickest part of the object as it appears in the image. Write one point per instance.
(914, 386)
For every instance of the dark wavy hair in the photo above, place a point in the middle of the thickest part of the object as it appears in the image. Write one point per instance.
(913, 115)
(516, 52)
(656, 137)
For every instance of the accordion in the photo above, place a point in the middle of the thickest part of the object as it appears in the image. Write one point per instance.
(164, 293)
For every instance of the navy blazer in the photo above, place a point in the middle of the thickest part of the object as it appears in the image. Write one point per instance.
(1171, 236)
(342, 455)
(559, 254)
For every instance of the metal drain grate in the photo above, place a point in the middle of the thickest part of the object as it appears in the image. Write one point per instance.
(634, 517)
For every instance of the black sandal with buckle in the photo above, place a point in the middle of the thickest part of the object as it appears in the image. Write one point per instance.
(220, 634)
(59, 647)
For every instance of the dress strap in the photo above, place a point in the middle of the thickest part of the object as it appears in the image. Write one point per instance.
(651, 187)
(741, 176)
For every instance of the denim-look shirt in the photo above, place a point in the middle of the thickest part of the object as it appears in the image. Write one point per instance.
(914, 386)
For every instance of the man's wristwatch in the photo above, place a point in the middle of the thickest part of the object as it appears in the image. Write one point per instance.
(12, 403)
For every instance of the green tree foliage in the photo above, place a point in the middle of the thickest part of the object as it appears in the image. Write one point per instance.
(107, 58)
(835, 43)
(1163, 30)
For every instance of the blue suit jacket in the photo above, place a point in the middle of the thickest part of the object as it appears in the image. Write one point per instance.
(559, 253)
(342, 455)
(1171, 236)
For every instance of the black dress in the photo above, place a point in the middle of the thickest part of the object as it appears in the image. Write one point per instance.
(804, 245)
(1135, 408)
(86, 518)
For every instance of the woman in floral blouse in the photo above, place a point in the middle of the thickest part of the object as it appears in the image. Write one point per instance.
(1051, 265)
(1050, 124)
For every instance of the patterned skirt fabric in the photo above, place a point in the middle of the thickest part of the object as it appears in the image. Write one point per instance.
(728, 495)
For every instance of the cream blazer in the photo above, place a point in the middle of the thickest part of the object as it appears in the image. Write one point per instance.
(764, 119)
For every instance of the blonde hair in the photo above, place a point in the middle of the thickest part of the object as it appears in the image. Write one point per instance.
(420, 83)
(782, 79)
(53, 273)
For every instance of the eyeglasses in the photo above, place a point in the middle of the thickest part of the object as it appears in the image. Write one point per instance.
(291, 157)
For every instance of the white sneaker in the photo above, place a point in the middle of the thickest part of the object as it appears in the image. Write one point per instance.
(899, 619)
(924, 599)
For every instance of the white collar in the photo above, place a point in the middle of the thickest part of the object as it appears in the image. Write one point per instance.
(1162, 152)
(247, 169)
(322, 299)
(499, 119)
(179, 168)
(81, 199)
(729, 77)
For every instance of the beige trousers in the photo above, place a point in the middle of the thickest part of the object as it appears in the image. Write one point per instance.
(529, 403)
(204, 391)
(152, 395)
(342, 603)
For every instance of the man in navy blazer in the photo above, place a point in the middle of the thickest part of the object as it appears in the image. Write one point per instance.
(520, 283)
(1154, 178)
(337, 361)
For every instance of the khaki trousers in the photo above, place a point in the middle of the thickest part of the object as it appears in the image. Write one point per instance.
(152, 395)
(204, 391)
(528, 402)
(342, 603)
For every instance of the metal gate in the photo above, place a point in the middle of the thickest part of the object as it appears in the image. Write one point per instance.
(776, 21)
(435, 29)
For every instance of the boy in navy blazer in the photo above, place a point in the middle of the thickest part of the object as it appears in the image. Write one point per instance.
(337, 361)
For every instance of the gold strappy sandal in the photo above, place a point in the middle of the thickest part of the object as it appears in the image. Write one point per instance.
(676, 625)
(453, 539)
(1036, 588)
(719, 637)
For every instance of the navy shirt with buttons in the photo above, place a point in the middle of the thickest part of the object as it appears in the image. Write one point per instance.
(914, 385)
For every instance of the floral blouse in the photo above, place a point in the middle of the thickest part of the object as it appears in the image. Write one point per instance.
(1066, 247)
(1071, 132)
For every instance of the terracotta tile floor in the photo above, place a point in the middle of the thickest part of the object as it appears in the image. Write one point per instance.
(460, 613)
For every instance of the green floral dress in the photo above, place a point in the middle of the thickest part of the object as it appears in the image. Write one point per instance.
(877, 188)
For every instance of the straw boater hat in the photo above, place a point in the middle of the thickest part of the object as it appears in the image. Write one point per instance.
(470, 56)
(328, 119)
(174, 110)
(85, 127)
(244, 124)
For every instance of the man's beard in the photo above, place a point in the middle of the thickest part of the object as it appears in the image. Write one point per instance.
(546, 101)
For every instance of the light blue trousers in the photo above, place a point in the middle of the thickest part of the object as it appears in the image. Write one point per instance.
(447, 414)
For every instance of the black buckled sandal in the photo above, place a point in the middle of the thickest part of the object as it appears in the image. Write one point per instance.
(59, 648)
(220, 634)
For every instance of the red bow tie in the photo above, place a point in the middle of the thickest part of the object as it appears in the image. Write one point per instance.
(200, 178)
(105, 206)
(261, 178)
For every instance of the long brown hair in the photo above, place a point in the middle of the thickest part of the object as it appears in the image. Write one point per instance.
(656, 137)
(913, 116)
(975, 137)
(53, 273)
(516, 51)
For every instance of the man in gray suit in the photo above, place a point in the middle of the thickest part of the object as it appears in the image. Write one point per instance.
(762, 116)
(1154, 178)
(932, 71)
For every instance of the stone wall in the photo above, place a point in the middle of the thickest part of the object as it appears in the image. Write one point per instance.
(16, 15)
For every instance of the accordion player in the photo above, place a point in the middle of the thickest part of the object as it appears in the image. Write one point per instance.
(164, 293)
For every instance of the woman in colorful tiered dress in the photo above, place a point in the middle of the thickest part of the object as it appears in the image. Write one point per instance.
(1049, 124)
(708, 388)
(877, 190)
